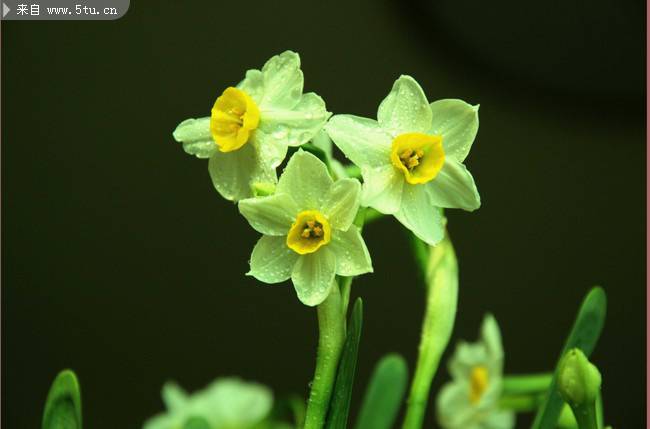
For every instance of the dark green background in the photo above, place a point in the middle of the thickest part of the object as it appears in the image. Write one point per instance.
(121, 262)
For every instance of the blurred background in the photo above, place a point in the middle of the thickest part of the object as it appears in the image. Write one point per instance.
(121, 262)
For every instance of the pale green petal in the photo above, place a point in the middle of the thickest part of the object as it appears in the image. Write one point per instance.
(454, 187)
(298, 125)
(465, 357)
(230, 403)
(306, 179)
(453, 408)
(323, 142)
(272, 215)
(162, 421)
(457, 123)
(196, 138)
(382, 189)
(313, 276)
(253, 85)
(283, 81)
(499, 419)
(269, 151)
(362, 140)
(174, 397)
(342, 203)
(272, 261)
(405, 109)
(233, 172)
(491, 337)
(352, 256)
(418, 214)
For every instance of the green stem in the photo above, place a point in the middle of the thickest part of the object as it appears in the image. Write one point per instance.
(442, 296)
(526, 383)
(330, 343)
(521, 403)
(420, 252)
(600, 414)
(586, 415)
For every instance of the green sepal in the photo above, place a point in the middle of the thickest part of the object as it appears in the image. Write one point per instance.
(340, 403)
(584, 335)
(385, 394)
(63, 404)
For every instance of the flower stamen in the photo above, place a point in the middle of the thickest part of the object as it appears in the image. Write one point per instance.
(419, 156)
(309, 232)
(478, 383)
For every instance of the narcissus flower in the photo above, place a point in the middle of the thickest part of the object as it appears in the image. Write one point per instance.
(308, 231)
(227, 403)
(253, 124)
(470, 400)
(411, 157)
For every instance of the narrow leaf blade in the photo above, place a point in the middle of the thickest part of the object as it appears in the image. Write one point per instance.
(584, 335)
(340, 403)
(63, 404)
(385, 394)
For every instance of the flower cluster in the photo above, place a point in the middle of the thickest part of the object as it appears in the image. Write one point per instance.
(227, 403)
(410, 158)
(470, 400)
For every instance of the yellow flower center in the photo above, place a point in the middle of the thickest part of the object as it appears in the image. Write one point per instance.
(309, 232)
(234, 116)
(419, 156)
(478, 383)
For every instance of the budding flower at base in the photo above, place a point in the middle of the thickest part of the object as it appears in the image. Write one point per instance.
(578, 379)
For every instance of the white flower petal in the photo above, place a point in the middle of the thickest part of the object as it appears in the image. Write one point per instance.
(253, 85)
(283, 81)
(405, 109)
(453, 409)
(362, 140)
(418, 214)
(233, 172)
(465, 357)
(491, 337)
(454, 187)
(272, 261)
(323, 142)
(306, 179)
(499, 419)
(272, 215)
(382, 189)
(269, 151)
(196, 138)
(298, 125)
(342, 203)
(162, 421)
(352, 256)
(230, 402)
(457, 123)
(313, 276)
(174, 397)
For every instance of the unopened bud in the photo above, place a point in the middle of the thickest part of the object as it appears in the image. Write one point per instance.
(578, 379)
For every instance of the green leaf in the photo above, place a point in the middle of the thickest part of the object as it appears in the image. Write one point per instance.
(63, 404)
(384, 394)
(584, 335)
(340, 403)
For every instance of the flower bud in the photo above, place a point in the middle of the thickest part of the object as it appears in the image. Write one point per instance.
(578, 379)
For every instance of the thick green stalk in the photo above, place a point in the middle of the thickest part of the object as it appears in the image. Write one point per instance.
(331, 324)
(442, 296)
(521, 403)
(526, 383)
(585, 415)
